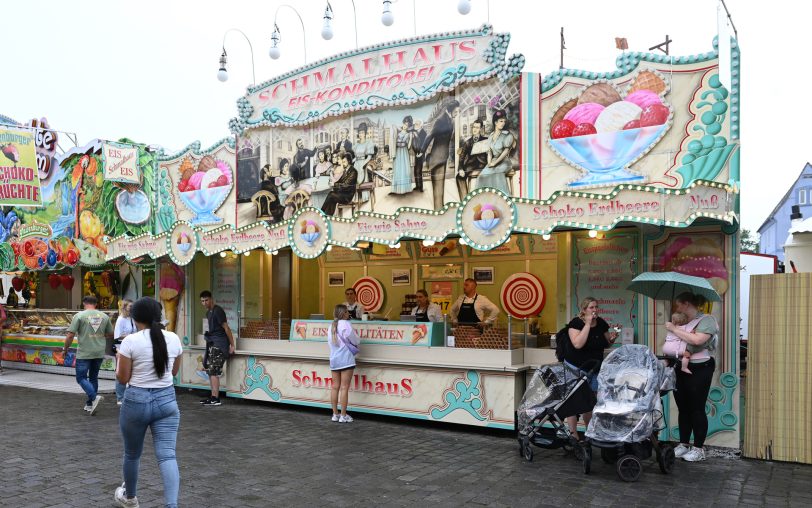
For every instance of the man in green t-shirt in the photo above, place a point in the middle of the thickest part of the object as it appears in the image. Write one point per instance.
(92, 328)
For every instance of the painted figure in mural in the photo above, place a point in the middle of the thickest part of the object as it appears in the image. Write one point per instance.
(300, 169)
(502, 143)
(419, 155)
(336, 160)
(272, 206)
(473, 157)
(344, 144)
(440, 140)
(365, 150)
(344, 187)
(402, 175)
(324, 165)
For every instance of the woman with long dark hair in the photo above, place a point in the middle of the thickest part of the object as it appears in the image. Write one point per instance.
(147, 361)
(692, 390)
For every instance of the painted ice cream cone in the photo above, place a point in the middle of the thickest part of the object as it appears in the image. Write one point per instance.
(171, 288)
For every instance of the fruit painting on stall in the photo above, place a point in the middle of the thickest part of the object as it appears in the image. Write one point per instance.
(80, 209)
(106, 208)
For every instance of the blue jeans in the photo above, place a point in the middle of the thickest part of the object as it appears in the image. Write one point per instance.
(157, 409)
(120, 389)
(87, 375)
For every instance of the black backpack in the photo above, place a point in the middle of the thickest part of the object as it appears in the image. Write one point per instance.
(562, 342)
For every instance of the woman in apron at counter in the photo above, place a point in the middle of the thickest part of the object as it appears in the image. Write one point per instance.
(355, 309)
(426, 311)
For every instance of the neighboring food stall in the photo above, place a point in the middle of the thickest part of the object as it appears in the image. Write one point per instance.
(54, 245)
(419, 163)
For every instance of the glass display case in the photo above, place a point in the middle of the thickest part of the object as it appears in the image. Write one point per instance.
(37, 336)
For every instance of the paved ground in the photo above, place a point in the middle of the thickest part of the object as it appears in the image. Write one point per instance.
(250, 454)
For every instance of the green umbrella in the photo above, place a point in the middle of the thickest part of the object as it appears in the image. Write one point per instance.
(666, 285)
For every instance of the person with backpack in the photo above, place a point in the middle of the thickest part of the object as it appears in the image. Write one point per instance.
(343, 342)
(589, 335)
(692, 390)
(148, 360)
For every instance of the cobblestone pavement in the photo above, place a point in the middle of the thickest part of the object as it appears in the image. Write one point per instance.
(250, 454)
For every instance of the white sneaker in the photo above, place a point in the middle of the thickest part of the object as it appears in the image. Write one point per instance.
(88, 407)
(345, 419)
(695, 455)
(95, 406)
(335, 418)
(122, 499)
(681, 450)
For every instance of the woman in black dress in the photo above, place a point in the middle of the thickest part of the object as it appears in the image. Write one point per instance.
(589, 336)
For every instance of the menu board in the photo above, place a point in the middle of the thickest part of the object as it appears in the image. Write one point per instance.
(226, 288)
(604, 269)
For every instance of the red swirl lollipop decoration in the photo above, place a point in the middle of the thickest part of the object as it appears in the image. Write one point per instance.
(523, 295)
(370, 293)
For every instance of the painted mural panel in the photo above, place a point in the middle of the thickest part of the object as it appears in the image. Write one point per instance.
(197, 186)
(441, 120)
(422, 156)
(80, 210)
(656, 121)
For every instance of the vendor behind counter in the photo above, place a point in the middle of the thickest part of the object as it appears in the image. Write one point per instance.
(426, 311)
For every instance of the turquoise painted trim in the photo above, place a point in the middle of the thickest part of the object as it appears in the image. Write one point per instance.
(193, 148)
(719, 407)
(466, 396)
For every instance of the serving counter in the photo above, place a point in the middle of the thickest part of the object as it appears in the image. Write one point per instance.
(397, 374)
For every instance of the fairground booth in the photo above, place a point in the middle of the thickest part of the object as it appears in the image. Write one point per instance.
(416, 164)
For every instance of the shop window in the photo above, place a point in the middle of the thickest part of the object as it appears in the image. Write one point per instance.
(801, 196)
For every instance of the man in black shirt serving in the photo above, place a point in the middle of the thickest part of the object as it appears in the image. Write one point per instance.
(219, 346)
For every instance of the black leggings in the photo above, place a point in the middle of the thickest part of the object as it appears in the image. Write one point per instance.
(691, 396)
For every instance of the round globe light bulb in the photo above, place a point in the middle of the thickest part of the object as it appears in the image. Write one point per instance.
(274, 52)
(464, 7)
(387, 18)
(327, 32)
(222, 75)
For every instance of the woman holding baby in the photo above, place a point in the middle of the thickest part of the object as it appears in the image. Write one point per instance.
(693, 380)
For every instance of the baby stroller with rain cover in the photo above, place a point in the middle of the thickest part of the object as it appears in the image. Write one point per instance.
(629, 414)
(554, 393)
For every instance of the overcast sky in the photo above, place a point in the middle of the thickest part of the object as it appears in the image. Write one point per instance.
(147, 69)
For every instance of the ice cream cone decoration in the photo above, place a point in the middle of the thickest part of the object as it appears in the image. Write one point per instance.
(170, 290)
(418, 332)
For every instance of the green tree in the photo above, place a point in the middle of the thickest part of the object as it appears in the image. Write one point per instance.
(749, 241)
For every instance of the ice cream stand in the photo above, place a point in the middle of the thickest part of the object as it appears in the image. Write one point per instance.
(542, 188)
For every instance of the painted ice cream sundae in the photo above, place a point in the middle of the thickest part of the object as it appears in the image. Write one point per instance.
(184, 242)
(203, 189)
(601, 132)
(486, 217)
(309, 232)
